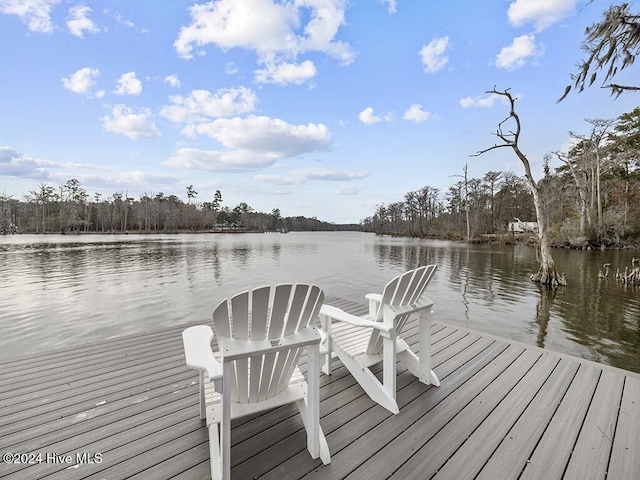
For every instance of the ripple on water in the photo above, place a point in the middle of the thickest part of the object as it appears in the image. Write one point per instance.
(63, 290)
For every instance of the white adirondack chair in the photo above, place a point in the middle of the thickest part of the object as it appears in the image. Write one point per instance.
(361, 342)
(261, 334)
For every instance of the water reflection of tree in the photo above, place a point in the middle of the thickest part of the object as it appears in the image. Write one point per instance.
(543, 312)
(241, 253)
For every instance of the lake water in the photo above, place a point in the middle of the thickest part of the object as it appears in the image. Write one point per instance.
(59, 291)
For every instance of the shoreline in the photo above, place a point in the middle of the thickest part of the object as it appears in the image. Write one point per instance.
(528, 240)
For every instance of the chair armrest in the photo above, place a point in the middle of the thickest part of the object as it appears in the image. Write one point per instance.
(197, 351)
(337, 314)
(415, 307)
(233, 349)
(376, 297)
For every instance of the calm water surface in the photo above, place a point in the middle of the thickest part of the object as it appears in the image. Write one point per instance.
(58, 291)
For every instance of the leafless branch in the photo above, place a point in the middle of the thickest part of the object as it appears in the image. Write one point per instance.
(480, 152)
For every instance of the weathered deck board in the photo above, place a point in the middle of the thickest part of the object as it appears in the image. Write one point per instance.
(625, 457)
(503, 410)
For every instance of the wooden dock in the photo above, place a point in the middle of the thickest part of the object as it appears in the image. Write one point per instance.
(503, 410)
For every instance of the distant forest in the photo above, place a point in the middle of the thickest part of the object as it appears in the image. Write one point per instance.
(68, 208)
(593, 197)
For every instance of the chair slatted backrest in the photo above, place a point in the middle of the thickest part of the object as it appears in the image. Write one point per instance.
(404, 290)
(266, 313)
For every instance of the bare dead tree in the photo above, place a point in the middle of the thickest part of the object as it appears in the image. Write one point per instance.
(581, 187)
(599, 132)
(547, 273)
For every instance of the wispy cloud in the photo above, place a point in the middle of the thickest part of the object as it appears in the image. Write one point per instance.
(434, 54)
(349, 189)
(305, 175)
(391, 6)
(35, 13)
(78, 21)
(480, 101)
(16, 164)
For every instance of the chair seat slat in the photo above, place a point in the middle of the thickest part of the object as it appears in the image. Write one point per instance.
(261, 335)
(360, 344)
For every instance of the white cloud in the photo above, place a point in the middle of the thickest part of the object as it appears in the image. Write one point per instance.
(416, 114)
(201, 105)
(134, 125)
(367, 117)
(391, 6)
(267, 27)
(267, 135)
(78, 21)
(278, 179)
(569, 144)
(434, 54)
(123, 21)
(315, 173)
(231, 68)
(253, 143)
(128, 84)
(35, 13)
(127, 179)
(172, 80)
(81, 81)
(486, 102)
(285, 73)
(220, 161)
(301, 176)
(542, 13)
(516, 54)
(16, 164)
(349, 189)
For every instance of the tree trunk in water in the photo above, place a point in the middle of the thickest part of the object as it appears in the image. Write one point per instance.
(547, 274)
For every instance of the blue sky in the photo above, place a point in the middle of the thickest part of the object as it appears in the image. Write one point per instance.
(318, 107)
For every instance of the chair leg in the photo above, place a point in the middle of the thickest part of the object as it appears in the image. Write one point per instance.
(225, 433)
(215, 460)
(313, 393)
(324, 454)
(368, 381)
(427, 375)
(203, 406)
(389, 363)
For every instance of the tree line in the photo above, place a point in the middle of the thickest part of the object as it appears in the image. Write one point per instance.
(68, 208)
(592, 197)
